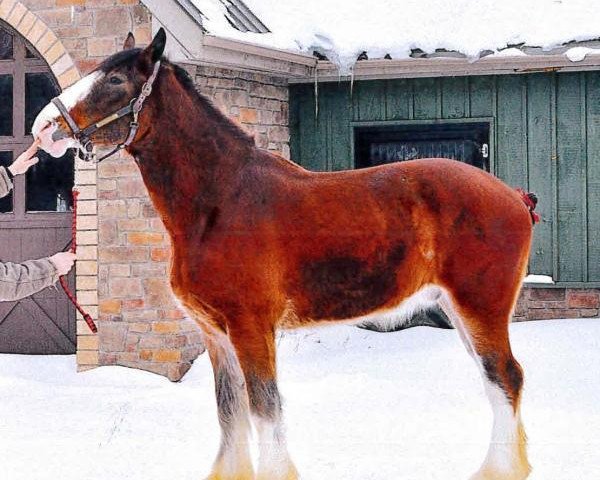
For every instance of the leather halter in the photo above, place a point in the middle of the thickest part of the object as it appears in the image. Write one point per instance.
(83, 136)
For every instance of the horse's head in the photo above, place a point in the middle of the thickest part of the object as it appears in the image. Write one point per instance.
(92, 101)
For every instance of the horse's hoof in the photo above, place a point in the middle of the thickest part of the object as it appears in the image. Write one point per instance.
(218, 476)
(242, 476)
(493, 474)
(291, 474)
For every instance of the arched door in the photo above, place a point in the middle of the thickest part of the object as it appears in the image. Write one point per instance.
(35, 219)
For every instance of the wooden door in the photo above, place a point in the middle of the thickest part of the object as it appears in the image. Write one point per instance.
(35, 219)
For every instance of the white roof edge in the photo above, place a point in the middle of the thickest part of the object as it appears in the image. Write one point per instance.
(299, 67)
(260, 50)
(234, 54)
(448, 66)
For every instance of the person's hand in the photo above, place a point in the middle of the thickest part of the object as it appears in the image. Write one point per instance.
(25, 160)
(63, 261)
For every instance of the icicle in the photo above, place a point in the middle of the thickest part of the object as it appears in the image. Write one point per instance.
(316, 94)
(351, 80)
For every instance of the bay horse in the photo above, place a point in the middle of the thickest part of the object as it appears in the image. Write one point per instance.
(261, 244)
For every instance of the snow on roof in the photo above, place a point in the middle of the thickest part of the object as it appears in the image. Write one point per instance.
(343, 29)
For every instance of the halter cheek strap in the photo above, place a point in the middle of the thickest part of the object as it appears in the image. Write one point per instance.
(134, 108)
(65, 113)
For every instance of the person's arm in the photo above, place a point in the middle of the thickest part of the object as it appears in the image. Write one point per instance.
(19, 280)
(18, 167)
(5, 182)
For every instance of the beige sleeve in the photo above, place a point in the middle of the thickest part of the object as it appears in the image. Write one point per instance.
(5, 183)
(19, 280)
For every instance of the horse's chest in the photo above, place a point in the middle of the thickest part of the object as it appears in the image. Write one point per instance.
(212, 272)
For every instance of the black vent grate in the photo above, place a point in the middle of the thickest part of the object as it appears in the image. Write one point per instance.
(465, 142)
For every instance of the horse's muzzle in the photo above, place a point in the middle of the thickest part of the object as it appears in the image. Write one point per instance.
(54, 139)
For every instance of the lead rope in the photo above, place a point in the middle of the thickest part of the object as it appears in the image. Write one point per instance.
(63, 282)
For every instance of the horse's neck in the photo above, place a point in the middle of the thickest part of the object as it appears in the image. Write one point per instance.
(190, 158)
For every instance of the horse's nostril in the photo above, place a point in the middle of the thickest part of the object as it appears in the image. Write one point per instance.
(59, 134)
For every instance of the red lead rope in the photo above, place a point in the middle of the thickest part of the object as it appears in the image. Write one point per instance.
(86, 316)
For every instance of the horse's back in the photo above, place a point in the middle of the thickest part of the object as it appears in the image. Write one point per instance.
(445, 195)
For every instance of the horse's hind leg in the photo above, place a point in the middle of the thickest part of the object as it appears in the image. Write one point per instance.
(485, 335)
(233, 461)
(256, 352)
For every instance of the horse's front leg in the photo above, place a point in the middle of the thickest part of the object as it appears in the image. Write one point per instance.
(256, 352)
(233, 461)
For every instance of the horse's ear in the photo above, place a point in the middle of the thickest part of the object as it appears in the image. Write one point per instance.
(129, 42)
(155, 50)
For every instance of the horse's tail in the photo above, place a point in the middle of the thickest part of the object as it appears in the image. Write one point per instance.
(530, 200)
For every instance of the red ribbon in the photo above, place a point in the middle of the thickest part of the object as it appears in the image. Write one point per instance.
(530, 201)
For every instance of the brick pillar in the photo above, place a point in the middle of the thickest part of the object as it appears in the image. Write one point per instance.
(87, 263)
(141, 325)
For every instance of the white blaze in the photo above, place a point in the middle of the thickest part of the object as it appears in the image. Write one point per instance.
(69, 97)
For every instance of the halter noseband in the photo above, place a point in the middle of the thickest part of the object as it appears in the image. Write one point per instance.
(83, 136)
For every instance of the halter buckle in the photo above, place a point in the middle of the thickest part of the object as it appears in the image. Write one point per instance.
(146, 89)
(86, 152)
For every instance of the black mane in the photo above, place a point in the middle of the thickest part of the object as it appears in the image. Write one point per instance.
(118, 58)
(186, 81)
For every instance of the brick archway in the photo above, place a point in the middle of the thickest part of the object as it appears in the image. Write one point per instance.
(47, 44)
(43, 39)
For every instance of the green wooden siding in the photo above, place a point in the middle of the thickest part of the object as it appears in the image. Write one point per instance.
(545, 137)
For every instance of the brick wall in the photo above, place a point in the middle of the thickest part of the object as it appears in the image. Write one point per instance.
(547, 303)
(90, 30)
(74, 36)
(140, 323)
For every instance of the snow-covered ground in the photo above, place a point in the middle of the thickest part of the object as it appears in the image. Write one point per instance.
(359, 406)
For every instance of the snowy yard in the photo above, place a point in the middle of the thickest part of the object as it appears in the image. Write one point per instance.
(359, 406)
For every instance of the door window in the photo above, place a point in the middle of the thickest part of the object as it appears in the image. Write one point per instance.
(40, 88)
(6, 105)
(6, 45)
(6, 202)
(49, 183)
(26, 86)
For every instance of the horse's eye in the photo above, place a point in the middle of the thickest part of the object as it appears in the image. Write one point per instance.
(115, 80)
